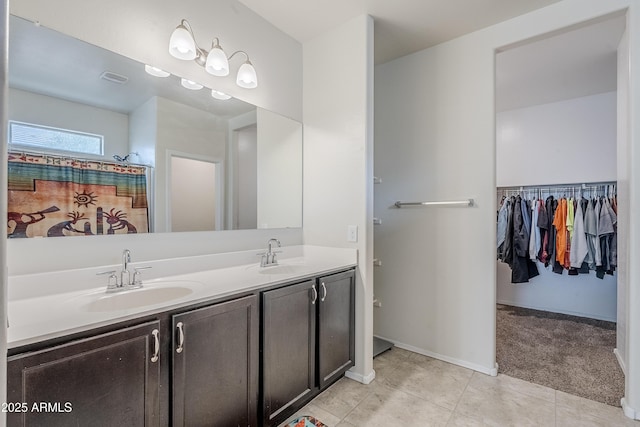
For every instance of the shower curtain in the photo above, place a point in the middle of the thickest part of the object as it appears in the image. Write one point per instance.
(50, 196)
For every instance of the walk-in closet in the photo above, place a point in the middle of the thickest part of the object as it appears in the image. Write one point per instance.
(562, 212)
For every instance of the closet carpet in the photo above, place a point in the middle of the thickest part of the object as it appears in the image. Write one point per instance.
(567, 353)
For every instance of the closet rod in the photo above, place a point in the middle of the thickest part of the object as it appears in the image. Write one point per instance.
(589, 185)
(468, 202)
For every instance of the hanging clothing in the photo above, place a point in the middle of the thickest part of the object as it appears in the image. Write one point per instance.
(591, 232)
(516, 244)
(560, 224)
(574, 235)
(543, 221)
(579, 248)
(534, 232)
(570, 218)
(502, 222)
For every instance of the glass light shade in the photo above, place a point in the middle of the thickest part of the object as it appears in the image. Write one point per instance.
(181, 44)
(247, 77)
(220, 95)
(190, 84)
(155, 71)
(217, 62)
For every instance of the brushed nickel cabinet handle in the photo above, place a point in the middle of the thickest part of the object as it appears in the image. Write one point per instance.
(180, 347)
(324, 292)
(156, 345)
(315, 294)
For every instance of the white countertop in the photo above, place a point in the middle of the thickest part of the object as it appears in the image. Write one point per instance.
(50, 305)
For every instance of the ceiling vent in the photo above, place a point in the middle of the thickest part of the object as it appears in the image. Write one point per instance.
(114, 78)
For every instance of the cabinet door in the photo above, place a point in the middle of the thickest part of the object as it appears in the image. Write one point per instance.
(336, 321)
(108, 380)
(215, 365)
(289, 322)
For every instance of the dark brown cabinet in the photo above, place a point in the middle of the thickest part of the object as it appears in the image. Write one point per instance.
(308, 341)
(289, 348)
(112, 379)
(336, 326)
(215, 365)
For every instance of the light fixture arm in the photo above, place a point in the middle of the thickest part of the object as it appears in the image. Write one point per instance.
(239, 51)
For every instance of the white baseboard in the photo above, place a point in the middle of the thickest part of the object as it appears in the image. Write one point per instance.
(629, 412)
(493, 371)
(364, 379)
(556, 310)
(623, 366)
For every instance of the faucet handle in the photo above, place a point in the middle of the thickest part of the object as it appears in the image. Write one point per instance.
(136, 275)
(112, 280)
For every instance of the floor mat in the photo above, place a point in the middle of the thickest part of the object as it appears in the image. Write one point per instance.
(306, 421)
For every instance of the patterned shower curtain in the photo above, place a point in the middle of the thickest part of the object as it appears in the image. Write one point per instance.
(52, 196)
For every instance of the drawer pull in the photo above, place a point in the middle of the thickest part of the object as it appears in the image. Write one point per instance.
(324, 292)
(180, 347)
(156, 346)
(315, 294)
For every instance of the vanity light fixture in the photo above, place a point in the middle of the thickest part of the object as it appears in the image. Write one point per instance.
(155, 71)
(182, 45)
(220, 95)
(190, 84)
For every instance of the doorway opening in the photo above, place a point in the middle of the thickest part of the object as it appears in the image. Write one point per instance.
(558, 139)
(195, 196)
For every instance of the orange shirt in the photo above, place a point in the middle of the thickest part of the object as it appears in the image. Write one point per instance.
(560, 223)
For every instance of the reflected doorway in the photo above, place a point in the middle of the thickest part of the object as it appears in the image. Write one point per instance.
(194, 195)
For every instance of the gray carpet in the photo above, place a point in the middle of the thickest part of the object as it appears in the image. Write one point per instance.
(567, 353)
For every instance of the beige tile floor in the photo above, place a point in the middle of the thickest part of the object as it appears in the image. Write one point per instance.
(415, 390)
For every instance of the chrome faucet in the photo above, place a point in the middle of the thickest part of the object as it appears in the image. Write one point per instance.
(125, 275)
(269, 257)
(127, 280)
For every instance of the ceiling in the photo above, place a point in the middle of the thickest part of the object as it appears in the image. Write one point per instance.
(578, 62)
(401, 26)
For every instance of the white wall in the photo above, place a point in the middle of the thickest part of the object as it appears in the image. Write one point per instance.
(623, 166)
(571, 141)
(44, 110)
(435, 140)
(584, 295)
(143, 131)
(338, 159)
(279, 171)
(241, 187)
(187, 130)
(565, 142)
(141, 30)
(246, 178)
(278, 61)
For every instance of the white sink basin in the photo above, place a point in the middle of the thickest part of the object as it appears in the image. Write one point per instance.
(148, 295)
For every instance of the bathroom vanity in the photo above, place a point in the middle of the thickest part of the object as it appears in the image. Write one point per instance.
(248, 346)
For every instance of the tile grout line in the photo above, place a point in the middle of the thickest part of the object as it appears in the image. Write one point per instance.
(410, 393)
(462, 394)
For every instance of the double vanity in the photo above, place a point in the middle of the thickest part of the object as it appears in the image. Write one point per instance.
(221, 340)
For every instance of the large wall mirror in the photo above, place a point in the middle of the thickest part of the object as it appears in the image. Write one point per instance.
(212, 164)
